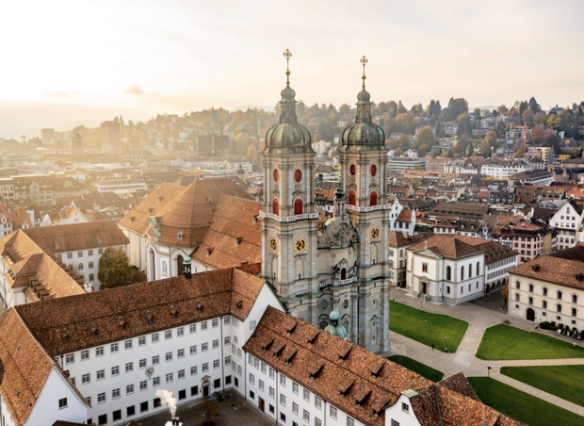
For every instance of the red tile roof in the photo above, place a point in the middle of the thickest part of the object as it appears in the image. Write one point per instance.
(569, 273)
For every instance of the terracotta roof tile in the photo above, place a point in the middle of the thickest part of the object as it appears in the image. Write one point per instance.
(94, 318)
(553, 269)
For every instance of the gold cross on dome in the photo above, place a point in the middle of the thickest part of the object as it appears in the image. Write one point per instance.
(287, 55)
(364, 61)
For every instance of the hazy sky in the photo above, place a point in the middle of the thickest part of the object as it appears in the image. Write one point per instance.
(82, 62)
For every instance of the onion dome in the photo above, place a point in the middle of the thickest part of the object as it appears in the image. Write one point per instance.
(363, 135)
(288, 136)
(334, 327)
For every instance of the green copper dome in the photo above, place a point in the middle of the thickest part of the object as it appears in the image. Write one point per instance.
(288, 136)
(334, 327)
(363, 135)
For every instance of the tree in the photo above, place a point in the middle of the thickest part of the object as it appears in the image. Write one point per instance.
(398, 152)
(114, 268)
(528, 116)
(538, 133)
(518, 154)
(533, 105)
(485, 149)
(502, 109)
(425, 136)
(575, 153)
(505, 293)
(491, 138)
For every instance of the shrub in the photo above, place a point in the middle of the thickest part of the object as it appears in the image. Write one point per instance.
(545, 325)
(574, 331)
(553, 324)
(561, 326)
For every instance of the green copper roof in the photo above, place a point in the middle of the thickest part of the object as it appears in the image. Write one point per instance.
(334, 327)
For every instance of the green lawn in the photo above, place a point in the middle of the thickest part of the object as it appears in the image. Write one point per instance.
(563, 381)
(425, 327)
(417, 367)
(522, 406)
(503, 342)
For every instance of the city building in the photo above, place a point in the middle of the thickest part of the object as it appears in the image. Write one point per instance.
(550, 288)
(311, 270)
(400, 164)
(119, 184)
(81, 245)
(29, 274)
(501, 195)
(500, 169)
(399, 241)
(111, 142)
(455, 269)
(567, 221)
(519, 132)
(47, 135)
(536, 177)
(544, 152)
(530, 240)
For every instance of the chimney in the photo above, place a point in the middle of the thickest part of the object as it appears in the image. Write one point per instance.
(187, 268)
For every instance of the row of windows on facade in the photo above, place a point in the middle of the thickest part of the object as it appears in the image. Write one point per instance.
(449, 271)
(155, 337)
(559, 293)
(144, 406)
(306, 394)
(544, 305)
(79, 253)
(142, 364)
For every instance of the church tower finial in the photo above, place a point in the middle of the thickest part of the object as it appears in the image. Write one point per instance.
(288, 55)
(364, 61)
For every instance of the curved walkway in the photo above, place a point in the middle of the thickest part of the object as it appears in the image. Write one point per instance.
(464, 359)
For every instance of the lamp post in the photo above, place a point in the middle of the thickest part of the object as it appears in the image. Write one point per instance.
(488, 371)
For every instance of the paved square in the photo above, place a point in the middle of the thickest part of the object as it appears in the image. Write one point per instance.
(232, 411)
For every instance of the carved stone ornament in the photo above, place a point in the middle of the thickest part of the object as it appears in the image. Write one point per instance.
(339, 233)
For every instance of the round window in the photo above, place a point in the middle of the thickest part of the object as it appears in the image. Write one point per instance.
(352, 169)
(276, 175)
(298, 175)
(373, 170)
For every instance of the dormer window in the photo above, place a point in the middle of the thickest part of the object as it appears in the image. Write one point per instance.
(99, 241)
(57, 246)
(180, 235)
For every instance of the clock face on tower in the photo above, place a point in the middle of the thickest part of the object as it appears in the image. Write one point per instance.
(273, 244)
(374, 233)
(300, 245)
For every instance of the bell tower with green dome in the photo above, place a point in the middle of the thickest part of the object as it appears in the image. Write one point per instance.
(289, 219)
(363, 160)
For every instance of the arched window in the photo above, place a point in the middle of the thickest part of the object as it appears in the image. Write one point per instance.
(470, 271)
(275, 207)
(352, 169)
(152, 265)
(531, 288)
(297, 175)
(352, 198)
(559, 308)
(373, 170)
(559, 295)
(545, 291)
(179, 265)
(544, 304)
(298, 206)
(462, 273)
(449, 273)
(343, 274)
(276, 175)
(574, 312)
(517, 285)
(478, 268)
(574, 298)
(373, 199)
(517, 297)
(531, 300)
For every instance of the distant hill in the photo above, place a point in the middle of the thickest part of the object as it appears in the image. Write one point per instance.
(246, 107)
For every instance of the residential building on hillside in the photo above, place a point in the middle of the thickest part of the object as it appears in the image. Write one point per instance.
(470, 166)
(111, 142)
(500, 169)
(537, 163)
(437, 164)
(400, 164)
(81, 245)
(550, 288)
(454, 269)
(533, 177)
(544, 152)
(450, 128)
(28, 274)
(519, 132)
(530, 240)
(65, 216)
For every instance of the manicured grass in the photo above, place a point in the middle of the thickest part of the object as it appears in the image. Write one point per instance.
(425, 327)
(522, 406)
(503, 342)
(417, 367)
(563, 381)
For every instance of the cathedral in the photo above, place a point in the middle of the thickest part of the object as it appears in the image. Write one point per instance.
(340, 264)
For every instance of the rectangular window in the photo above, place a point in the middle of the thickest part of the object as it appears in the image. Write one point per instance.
(350, 421)
(169, 378)
(144, 406)
(155, 338)
(193, 370)
(227, 360)
(142, 363)
(306, 416)
(204, 325)
(215, 323)
(144, 385)
(90, 252)
(85, 379)
(252, 325)
(215, 344)
(282, 380)
(69, 358)
(295, 387)
(193, 328)
(129, 389)
(116, 393)
(251, 379)
(114, 348)
(333, 412)
(306, 395)
(115, 370)
(100, 374)
(168, 334)
(181, 374)
(282, 399)
(128, 344)
(295, 408)
(261, 384)
(272, 373)
(405, 407)
(155, 360)
(129, 367)
(226, 320)
(216, 364)
(180, 332)
(79, 254)
(84, 354)
(168, 356)
(100, 398)
(180, 353)
(227, 340)
(193, 350)
(205, 367)
(141, 340)
(424, 267)
(272, 392)
(263, 368)
(204, 347)
(317, 422)
(318, 402)
(100, 251)
(156, 381)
